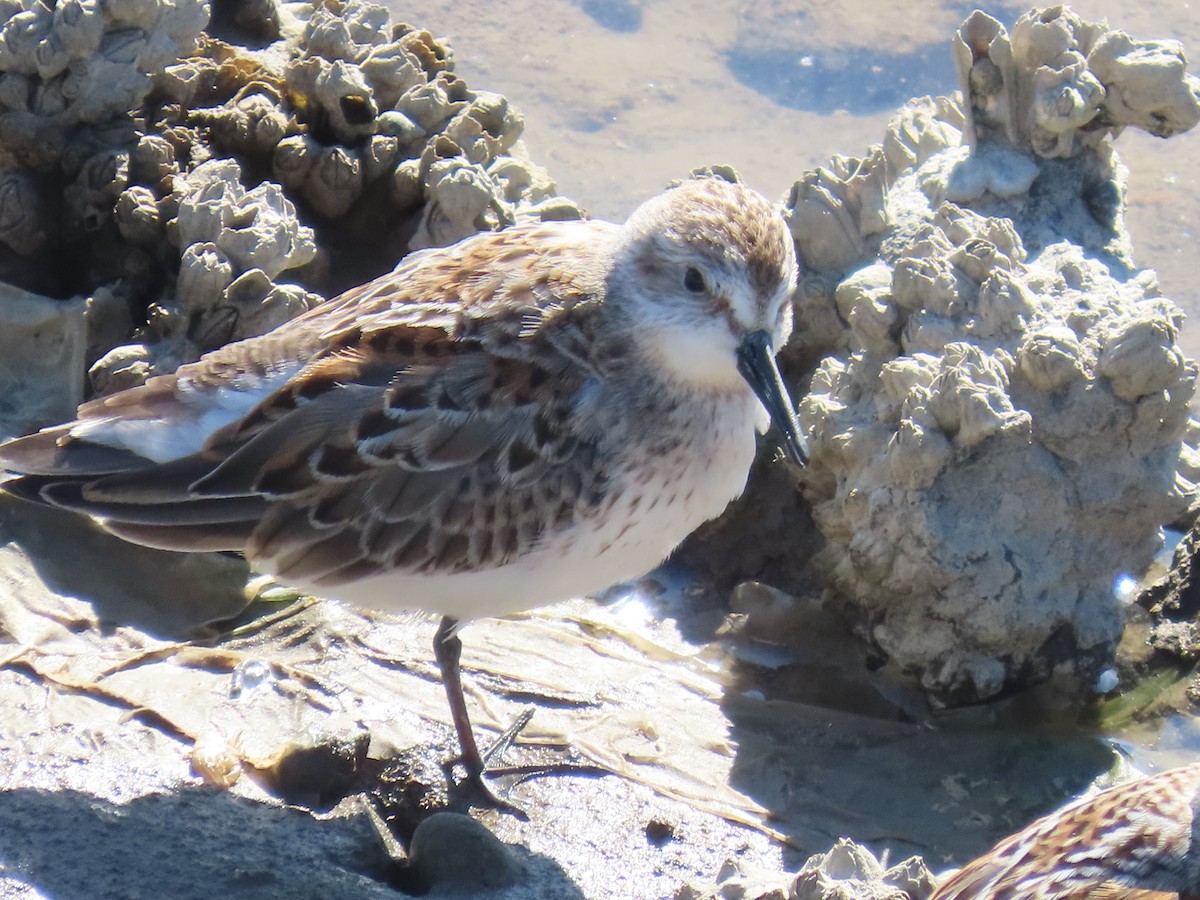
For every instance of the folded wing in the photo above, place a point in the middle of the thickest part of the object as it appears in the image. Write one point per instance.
(379, 432)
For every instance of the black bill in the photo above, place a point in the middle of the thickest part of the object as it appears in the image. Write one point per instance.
(756, 363)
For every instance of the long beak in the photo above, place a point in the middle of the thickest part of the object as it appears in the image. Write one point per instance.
(756, 363)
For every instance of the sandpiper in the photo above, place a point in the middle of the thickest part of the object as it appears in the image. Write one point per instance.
(1135, 841)
(528, 415)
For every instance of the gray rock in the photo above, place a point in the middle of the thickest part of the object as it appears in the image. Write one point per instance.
(43, 343)
(454, 854)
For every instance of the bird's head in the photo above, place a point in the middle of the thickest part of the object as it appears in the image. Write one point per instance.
(705, 274)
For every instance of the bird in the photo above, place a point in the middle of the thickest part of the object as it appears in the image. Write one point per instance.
(1135, 841)
(525, 416)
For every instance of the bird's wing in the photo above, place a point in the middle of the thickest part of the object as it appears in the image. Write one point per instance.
(1134, 839)
(418, 422)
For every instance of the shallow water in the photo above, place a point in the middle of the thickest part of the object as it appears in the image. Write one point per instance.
(621, 97)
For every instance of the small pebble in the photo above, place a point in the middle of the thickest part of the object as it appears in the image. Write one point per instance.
(450, 851)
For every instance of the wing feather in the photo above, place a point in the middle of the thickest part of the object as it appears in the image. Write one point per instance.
(288, 440)
(421, 422)
(182, 511)
(227, 537)
(52, 452)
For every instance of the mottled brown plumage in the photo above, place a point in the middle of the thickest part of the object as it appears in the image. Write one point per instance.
(1136, 841)
(528, 415)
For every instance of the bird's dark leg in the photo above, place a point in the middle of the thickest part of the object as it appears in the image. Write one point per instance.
(447, 649)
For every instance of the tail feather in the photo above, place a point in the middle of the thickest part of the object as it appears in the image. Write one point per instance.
(221, 536)
(157, 515)
(169, 482)
(184, 511)
(28, 488)
(50, 452)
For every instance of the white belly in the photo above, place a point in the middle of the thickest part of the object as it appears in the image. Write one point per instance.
(658, 503)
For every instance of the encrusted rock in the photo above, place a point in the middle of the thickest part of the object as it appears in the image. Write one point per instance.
(181, 163)
(997, 427)
(847, 871)
(1059, 83)
(43, 343)
(80, 63)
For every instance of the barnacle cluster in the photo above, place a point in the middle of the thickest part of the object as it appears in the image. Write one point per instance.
(847, 869)
(1059, 84)
(998, 408)
(193, 188)
(69, 75)
(365, 120)
(351, 132)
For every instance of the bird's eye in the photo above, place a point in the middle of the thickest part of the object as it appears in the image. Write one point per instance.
(693, 280)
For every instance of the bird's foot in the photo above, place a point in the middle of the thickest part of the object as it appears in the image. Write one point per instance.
(479, 792)
(476, 781)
